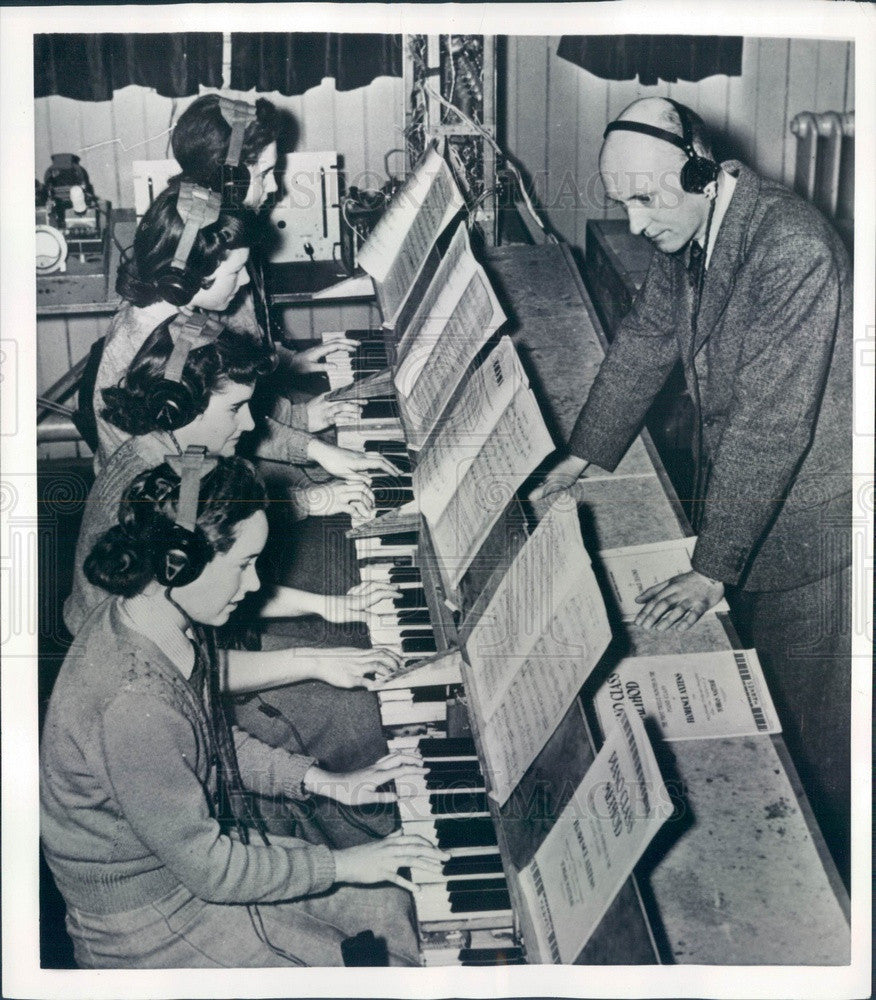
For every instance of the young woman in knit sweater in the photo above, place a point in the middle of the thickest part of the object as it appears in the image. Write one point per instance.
(200, 144)
(310, 699)
(159, 856)
(215, 273)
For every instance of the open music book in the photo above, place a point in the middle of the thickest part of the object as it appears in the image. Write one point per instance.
(488, 444)
(692, 695)
(535, 645)
(399, 244)
(596, 841)
(456, 317)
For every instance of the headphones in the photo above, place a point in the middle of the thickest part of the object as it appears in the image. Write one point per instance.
(181, 551)
(699, 171)
(171, 403)
(198, 207)
(235, 179)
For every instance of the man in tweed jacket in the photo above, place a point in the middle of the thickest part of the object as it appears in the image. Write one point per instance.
(772, 365)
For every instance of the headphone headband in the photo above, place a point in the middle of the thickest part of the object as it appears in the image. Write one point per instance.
(238, 115)
(187, 333)
(652, 130)
(191, 467)
(699, 171)
(198, 207)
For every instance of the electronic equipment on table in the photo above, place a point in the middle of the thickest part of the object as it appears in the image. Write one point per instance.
(73, 229)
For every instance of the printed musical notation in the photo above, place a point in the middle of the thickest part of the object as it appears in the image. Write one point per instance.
(596, 841)
(401, 241)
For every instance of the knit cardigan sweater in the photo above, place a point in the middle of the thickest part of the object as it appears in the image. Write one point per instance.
(285, 435)
(126, 781)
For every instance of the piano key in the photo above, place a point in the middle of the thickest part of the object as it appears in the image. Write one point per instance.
(444, 804)
(435, 905)
(438, 957)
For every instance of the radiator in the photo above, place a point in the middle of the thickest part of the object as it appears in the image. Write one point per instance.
(825, 168)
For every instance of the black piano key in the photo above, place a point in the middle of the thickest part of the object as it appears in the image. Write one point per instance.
(478, 902)
(391, 497)
(413, 632)
(379, 409)
(404, 572)
(470, 885)
(457, 802)
(403, 464)
(473, 864)
(396, 563)
(413, 616)
(412, 598)
(390, 482)
(457, 746)
(465, 832)
(433, 692)
(453, 780)
(419, 645)
(491, 956)
(401, 538)
(450, 767)
(386, 447)
(366, 335)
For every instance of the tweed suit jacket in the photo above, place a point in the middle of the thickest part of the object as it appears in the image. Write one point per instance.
(773, 363)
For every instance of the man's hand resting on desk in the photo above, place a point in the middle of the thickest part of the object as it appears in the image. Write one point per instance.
(679, 602)
(563, 475)
(313, 359)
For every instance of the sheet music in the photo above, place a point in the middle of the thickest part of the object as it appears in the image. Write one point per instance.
(400, 242)
(693, 695)
(492, 440)
(632, 569)
(458, 315)
(535, 644)
(596, 841)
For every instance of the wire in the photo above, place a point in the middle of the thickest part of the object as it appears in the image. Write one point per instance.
(480, 130)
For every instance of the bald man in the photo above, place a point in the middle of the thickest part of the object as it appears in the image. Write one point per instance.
(752, 290)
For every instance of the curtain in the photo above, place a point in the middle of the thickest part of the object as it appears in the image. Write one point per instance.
(667, 57)
(91, 67)
(292, 63)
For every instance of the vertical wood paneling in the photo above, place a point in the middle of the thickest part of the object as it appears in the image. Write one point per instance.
(803, 72)
(771, 107)
(561, 198)
(741, 130)
(592, 100)
(750, 114)
(850, 78)
(830, 86)
(532, 80)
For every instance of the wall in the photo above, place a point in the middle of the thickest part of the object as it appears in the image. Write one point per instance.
(556, 113)
(362, 125)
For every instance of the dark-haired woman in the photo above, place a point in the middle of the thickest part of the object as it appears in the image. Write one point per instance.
(215, 272)
(313, 699)
(149, 833)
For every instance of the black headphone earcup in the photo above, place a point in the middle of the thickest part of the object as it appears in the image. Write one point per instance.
(176, 287)
(697, 173)
(170, 405)
(179, 555)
